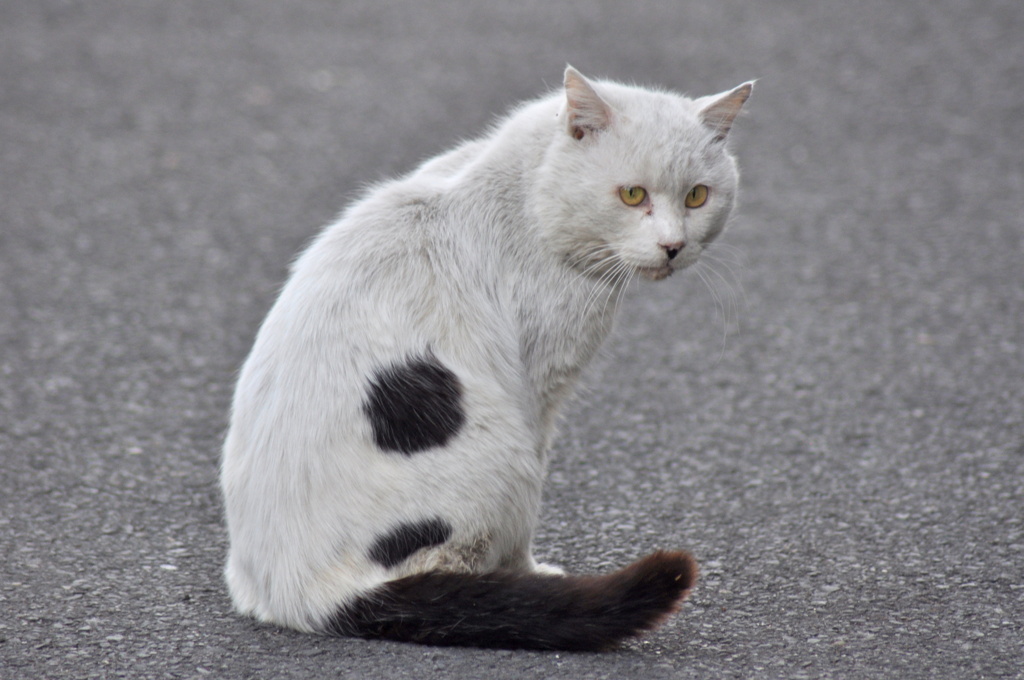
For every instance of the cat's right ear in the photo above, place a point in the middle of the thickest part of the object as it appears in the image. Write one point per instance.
(586, 112)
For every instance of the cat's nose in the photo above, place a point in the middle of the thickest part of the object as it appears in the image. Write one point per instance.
(672, 249)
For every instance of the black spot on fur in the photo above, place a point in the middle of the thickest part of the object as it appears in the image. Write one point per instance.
(414, 406)
(394, 547)
(523, 610)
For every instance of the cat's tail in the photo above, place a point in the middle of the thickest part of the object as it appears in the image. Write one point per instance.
(523, 610)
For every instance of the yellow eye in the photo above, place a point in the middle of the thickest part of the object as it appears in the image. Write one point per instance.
(697, 196)
(632, 195)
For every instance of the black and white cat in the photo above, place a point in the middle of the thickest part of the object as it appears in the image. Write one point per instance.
(390, 430)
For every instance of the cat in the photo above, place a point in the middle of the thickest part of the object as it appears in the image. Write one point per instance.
(390, 429)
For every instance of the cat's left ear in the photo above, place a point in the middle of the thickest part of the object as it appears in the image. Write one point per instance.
(720, 110)
(586, 112)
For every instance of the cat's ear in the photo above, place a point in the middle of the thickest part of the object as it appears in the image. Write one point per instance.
(720, 110)
(586, 112)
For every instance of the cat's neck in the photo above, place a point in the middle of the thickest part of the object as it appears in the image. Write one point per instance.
(563, 314)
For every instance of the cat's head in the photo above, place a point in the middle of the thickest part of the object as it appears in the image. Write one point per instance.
(637, 180)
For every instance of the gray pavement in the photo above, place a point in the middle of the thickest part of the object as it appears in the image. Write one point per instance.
(835, 428)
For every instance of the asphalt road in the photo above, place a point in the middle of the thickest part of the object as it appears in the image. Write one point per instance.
(835, 427)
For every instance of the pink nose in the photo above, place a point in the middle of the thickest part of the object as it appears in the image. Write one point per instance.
(672, 249)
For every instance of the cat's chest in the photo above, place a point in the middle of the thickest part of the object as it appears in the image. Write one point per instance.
(560, 331)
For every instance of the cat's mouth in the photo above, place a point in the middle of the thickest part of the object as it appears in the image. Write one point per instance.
(656, 273)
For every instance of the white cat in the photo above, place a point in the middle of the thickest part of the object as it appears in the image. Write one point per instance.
(390, 429)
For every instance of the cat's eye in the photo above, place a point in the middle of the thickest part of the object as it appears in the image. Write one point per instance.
(697, 196)
(632, 195)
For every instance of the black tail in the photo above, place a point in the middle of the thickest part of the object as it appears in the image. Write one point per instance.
(527, 611)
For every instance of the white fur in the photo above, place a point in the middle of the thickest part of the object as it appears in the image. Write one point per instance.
(505, 258)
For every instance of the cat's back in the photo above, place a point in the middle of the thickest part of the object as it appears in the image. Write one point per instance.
(399, 226)
(410, 265)
(430, 241)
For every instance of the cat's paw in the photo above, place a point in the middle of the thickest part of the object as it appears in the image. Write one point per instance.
(548, 569)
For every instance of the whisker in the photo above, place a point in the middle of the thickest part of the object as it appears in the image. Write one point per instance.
(605, 283)
(629, 276)
(598, 249)
(623, 276)
(719, 305)
(733, 259)
(729, 284)
(737, 255)
(609, 280)
(584, 255)
(709, 284)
